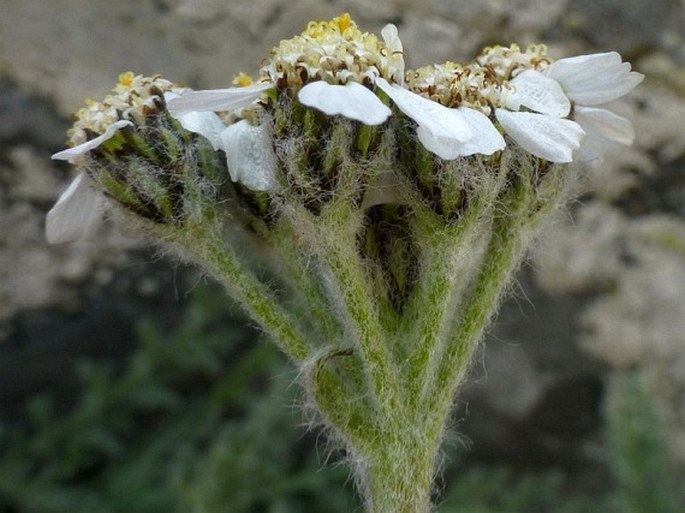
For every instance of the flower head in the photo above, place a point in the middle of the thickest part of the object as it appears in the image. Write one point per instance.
(536, 101)
(128, 146)
(496, 84)
(480, 84)
(78, 211)
(133, 98)
(335, 68)
(336, 52)
(332, 65)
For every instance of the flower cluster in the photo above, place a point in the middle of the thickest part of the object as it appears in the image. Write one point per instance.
(132, 98)
(459, 110)
(504, 96)
(373, 217)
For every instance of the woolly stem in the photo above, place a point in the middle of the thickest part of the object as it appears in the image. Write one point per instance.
(450, 258)
(214, 255)
(399, 477)
(332, 237)
(353, 287)
(301, 270)
(512, 231)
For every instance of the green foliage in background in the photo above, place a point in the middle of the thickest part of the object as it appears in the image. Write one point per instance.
(202, 419)
(206, 420)
(644, 471)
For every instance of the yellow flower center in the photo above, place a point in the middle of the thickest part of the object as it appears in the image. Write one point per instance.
(335, 51)
(126, 79)
(242, 80)
(342, 25)
(131, 98)
(481, 84)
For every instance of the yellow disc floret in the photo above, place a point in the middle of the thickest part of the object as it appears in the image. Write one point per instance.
(342, 25)
(335, 51)
(132, 98)
(242, 80)
(126, 79)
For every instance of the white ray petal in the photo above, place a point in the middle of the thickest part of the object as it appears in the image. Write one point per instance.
(605, 123)
(82, 149)
(207, 124)
(217, 100)
(446, 149)
(605, 132)
(392, 40)
(437, 120)
(550, 138)
(539, 93)
(594, 79)
(353, 100)
(486, 138)
(250, 155)
(77, 213)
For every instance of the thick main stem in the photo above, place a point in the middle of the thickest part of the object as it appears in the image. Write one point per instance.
(401, 478)
(398, 475)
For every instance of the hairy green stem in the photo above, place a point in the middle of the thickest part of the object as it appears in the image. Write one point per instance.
(451, 258)
(301, 270)
(399, 476)
(332, 237)
(207, 248)
(512, 231)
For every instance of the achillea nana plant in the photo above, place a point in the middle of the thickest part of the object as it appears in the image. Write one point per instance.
(368, 217)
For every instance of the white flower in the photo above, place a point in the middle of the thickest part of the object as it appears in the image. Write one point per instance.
(79, 210)
(544, 133)
(249, 152)
(595, 79)
(352, 100)
(250, 155)
(207, 124)
(585, 80)
(217, 100)
(553, 139)
(77, 213)
(82, 149)
(447, 132)
(539, 93)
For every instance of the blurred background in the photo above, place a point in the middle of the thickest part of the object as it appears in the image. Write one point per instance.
(128, 383)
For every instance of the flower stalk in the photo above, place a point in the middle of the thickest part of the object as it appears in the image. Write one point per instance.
(367, 217)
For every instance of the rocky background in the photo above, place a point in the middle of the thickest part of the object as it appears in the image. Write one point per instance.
(602, 296)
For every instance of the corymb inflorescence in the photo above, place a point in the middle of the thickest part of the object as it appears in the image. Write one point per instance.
(368, 217)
